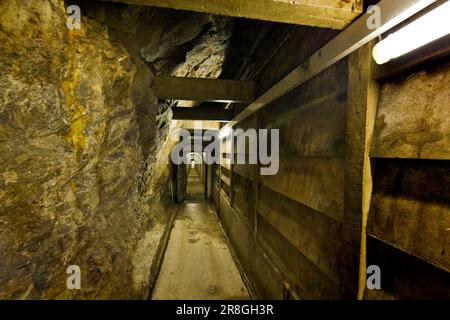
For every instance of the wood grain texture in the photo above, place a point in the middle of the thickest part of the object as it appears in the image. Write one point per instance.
(315, 130)
(405, 277)
(302, 275)
(363, 93)
(312, 118)
(334, 14)
(314, 182)
(243, 201)
(263, 274)
(411, 208)
(313, 234)
(201, 89)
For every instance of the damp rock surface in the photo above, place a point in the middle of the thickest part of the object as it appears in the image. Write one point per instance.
(84, 143)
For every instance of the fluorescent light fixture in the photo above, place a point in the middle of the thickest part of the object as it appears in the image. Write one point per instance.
(225, 132)
(432, 26)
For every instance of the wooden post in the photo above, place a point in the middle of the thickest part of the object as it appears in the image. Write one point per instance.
(363, 94)
(256, 177)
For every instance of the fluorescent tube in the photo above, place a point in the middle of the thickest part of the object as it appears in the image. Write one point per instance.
(432, 26)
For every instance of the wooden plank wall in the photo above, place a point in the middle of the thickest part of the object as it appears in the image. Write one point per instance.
(292, 223)
(301, 233)
(309, 187)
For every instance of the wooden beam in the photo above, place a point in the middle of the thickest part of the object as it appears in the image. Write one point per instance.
(363, 94)
(317, 183)
(206, 125)
(410, 208)
(315, 235)
(351, 39)
(202, 113)
(335, 14)
(204, 89)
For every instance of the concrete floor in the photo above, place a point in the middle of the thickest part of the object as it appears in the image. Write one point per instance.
(198, 264)
(195, 188)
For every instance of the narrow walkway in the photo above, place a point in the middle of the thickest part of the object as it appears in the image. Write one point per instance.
(195, 188)
(198, 264)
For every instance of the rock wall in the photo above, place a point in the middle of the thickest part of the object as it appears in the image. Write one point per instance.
(409, 219)
(84, 144)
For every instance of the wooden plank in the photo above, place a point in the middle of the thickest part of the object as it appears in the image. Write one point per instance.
(225, 190)
(312, 233)
(351, 39)
(226, 165)
(202, 113)
(258, 268)
(199, 89)
(255, 122)
(405, 277)
(243, 198)
(225, 179)
(362, 105)
(411, 208)
(217, 170)
(244, 170)
(334, 14)
(225, 171)
(215, 198)
(413, 119)
(308, 125)
(225, 156)
(315, 182)
(250, 171)
(316, 120)
(302, 42)
(206, 125)
(303, 276)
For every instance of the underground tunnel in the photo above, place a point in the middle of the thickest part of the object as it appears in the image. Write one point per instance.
(224, 150)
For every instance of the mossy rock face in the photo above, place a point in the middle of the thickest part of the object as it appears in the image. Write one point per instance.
(83, 166)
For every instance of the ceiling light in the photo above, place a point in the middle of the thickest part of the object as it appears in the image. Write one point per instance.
(432, 26)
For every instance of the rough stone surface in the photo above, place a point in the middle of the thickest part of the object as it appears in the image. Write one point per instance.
(413, 121)
(206, 59)
(84, 145)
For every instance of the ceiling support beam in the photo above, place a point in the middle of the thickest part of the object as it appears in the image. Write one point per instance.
(335, 14)
(202, 113)
(348, 41)
(197, 89)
